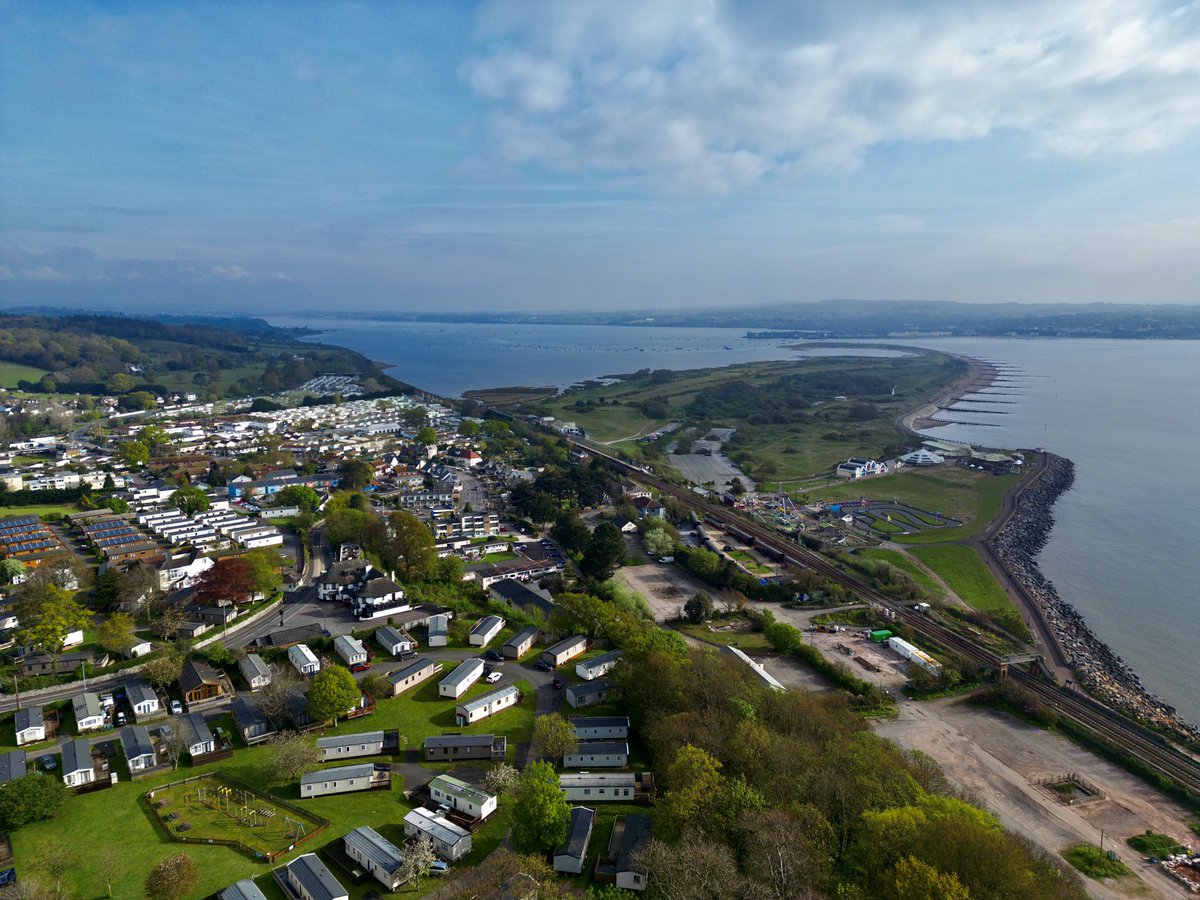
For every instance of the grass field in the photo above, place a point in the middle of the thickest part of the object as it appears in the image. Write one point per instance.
(1091, 861)
(909, 565)
(11, 373)
(967, 575)
(41, 510)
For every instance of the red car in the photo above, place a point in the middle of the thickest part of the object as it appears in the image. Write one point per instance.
(360, 667)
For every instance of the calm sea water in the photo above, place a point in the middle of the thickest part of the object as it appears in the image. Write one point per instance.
(1124, 549)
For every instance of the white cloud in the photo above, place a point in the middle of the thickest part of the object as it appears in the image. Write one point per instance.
(231, 273)
(711, 96)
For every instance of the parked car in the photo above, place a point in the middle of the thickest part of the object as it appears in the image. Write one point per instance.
(542, 666)
(360, 667)
(493, 656)
(49, 763)
(439, 867)
(176, 708)
(558, 685)
(121, 720)
(494, 677)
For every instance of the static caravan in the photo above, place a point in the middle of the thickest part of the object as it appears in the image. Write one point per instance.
(250, 722)
(345, 779)
(485, 630)
(412, 674)
(629, 837)
(595, 787)
(142, 699)
(569, 857)
(350, 649)
(30, 725)
(520, 643)
(77, 763)
(256, 672)
(348, 746)
(600, 728)
(140, 648)
(395, 642)
(464, 675)
(242, 890)
(89, 714)
(303, 659)
(486, 705)
(375, 853)
(439, 631)
(449, 841)
(590, 669)
(462, 797)
(138, 748)
(309, 879)
(450, 747)
(565, 650)
(12, 765)
(598, 754)
(590, 693)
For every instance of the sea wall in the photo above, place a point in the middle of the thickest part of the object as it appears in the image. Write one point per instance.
(1100, 671)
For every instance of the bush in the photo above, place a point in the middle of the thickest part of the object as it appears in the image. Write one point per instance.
(1093, 862)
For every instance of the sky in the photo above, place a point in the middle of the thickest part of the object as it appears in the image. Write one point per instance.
(596, 154)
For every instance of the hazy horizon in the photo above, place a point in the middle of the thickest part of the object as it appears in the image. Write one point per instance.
(265, 158)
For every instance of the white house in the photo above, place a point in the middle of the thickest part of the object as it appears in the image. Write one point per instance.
(600, 728)
(200, 738)
(138, 748)
(598, 754)
(142, 698)
(592, 668)
(303, 659)
(588, 694)
(449, 841)
(565, 650)
(309, 879)
(569, 857)
(77, 763)
(30, 725)
(256, 672)
(375, 853)
(439, 631)
(348, 746)
(345, 779)
(520, 643)
(857, 467)
(412, 674)
(486, 705)
(462, 797)
(350, 649)
(89, 715)
(140, 648)
(464, 675)
(395, 642)
(485, 630)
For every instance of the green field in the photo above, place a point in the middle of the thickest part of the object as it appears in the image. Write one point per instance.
(967, 575)
(909, 565)
(1091, 861)
(11, 373)
(41, 510)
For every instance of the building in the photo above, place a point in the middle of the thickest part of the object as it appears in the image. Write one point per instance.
(200, 683)
(590, 669)
(569, 857)
(629, 837)
(412, 674)
(350, 649)
(375, 853)
(345, 779)
(915, 655)
(303, 660)
(516, 593)
(451, 747)
(138, 748)
(200, 738)
(309, 879)
(598, 754)
(485, 630)
(857, 467)
(395, 642)
(520, 643)
(446, 790)
(565, 650)
(449, 841)
(12, 765)
(486, 705)
(757, 668)
(250, 721)
(348, 746)
(439, 631)
(89, 714)
(464, 675)
(242, 890)
(140, 648)
(923, 458)
(595, 787)
(77, 763)
(142, 699)
(256, 672)
(30, 725)
(600, 728)
(589, 693)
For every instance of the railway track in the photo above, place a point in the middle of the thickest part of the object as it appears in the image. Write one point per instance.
(1107, 725)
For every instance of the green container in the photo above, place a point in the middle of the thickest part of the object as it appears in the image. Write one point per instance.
(878, 637)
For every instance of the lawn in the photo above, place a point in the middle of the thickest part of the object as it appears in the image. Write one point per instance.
(11, 373)
(41, 510)
(905, 562)
(1153, 844)
(752, 642)
(967, 575)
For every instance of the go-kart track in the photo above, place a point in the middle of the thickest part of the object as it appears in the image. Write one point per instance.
(890, 517)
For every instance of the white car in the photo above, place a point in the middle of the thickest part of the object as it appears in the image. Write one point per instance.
(176, 708)
(494, 677)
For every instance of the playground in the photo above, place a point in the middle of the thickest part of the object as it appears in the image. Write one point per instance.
(221, 810)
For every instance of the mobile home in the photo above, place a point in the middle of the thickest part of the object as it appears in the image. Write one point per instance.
(449, 841)
(464, 675)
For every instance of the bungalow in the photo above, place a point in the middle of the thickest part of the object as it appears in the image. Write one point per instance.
(565, 650)
(603, 754)
(629, 836)
(464, 675)
(569, 857)
(600, 728)
(350, 649)
(142, 698)
(60, 664)
(201, 683)
(256, 672)
(462, 797)
(394, 642)
(449, 841)
(377, 855)
(89, 714)
(249, 720)
(309, 879)
(347, 746)
(303, 659)
(590, 669)
(30, 725)
(412, 674)
(483, 631)
(594, 787)
(199, 737)
(242, 890)
(520, 643)
(486, 705)
(450, 747)
(138, 748)
(12, 765)
(77, 763)
(588, 694)
(345, 779)
(439, 631)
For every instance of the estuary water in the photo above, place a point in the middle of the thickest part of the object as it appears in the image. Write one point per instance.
(1125, 549)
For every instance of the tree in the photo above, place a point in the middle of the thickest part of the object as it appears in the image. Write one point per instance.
(570, 532)
(914, 880)
(231, 579)
(450, 569)
(426, 436)
(277, 698)
(541, 507)
(138, 400)
(109, 868)
(175, 742)
(292, 754)
(116, 633)
(58, 615)
(501, 778)
(120, 383)
(658, 542)
(164, 670)
(355, 474)
(11, 570)
(699, 608)
(418, 859)
(190, 500)
(299, 495)
(605, 551)
(154, 436)
(118, 505)
(696, 866)
(468, 428)
(30, 798)
(697, 787)
(135, 453)
(138, 586)
(376, 686)
(266, 566)
(415, 417)
(408, 548)
(786, 854)
(169, 620)
(173, 878)
(541, 813)
(332, 694)
(554, 736)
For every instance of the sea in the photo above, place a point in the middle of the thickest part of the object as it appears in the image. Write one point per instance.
(1125, 548)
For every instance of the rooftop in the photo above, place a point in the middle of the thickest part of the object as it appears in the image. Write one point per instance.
(375, 847)
(435, 826)
(578, 832)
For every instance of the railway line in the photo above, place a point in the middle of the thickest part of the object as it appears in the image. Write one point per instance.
(1110, 727)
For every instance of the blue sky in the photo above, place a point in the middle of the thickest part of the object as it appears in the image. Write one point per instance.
(608, 154)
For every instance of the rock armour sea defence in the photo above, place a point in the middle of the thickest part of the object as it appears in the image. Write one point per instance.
(1100, 671)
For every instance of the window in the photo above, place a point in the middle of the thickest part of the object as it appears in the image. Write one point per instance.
(586, 791)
